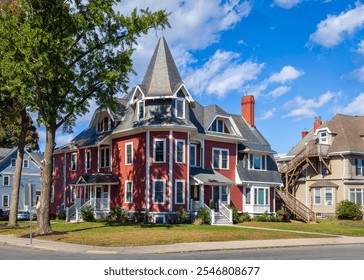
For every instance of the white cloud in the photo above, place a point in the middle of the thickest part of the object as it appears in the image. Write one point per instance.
(361, 47)
(287, 73)
(267, 115)
(286, 4)
(279, 91)
(356, 107)
(358, 74)
(221, 74)
(333, 30)
(300, 107)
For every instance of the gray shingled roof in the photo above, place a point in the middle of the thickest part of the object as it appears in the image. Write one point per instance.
(162, 77)
(4, 152)
(209, 177)
(95, 179)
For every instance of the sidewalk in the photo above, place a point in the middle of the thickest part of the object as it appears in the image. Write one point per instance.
(180, 247)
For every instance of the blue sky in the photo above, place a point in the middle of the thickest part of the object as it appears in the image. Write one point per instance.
(299, 58)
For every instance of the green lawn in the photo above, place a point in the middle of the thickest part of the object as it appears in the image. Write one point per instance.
(100, 234)
(327, 226)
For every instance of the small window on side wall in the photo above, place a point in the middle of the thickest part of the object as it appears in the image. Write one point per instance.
(180, 108)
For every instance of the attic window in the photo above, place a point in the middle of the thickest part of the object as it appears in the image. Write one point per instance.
(140, 110)
(104, 125)
(323, 137)
(217, 126)
(180, 108)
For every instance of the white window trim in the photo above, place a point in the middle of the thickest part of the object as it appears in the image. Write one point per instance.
(183, 107)
(355, 191)
(13, 160)
(314, 196)
(164, 191)
(103, 150)
(220, 158)
(138, 109)
(126, 191)
(164, 150)
(251, 164)
(126, 153)
(183, 191)
(184, 152)
(25, 160)
(252, 196)
(2, 200)
(74, 168)
(72, 199)
(87, 152)
(195, 155)
(332, 199)
(9, 183)
(246, 195)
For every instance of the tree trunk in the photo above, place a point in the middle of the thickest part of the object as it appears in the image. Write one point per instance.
(18, 170)
(43, 209)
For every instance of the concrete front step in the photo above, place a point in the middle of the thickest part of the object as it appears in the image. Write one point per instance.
(220, 219)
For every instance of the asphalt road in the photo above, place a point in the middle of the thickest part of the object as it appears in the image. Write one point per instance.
(332, 252)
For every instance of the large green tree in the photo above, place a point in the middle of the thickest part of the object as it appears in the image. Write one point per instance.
(64, 53)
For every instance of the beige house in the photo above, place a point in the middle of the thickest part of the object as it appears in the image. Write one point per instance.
(324, 168)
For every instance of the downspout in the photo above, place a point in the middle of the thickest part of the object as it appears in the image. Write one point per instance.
(343, 175)
(171, 171)
(64, 179)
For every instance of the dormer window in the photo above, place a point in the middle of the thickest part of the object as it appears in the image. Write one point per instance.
(323, 137)
(140, 110)
(217, 126)
(180, 108)
(257, 162)
(104, 125)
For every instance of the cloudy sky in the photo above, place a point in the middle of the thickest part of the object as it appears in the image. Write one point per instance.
(299, 58)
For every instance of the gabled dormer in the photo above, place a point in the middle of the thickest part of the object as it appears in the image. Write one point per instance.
(102, 121)
(323, 136)
(223, 124)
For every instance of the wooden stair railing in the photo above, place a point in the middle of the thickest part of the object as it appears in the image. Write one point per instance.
(296, 206)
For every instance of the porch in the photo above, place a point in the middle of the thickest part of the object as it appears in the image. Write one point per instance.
(90, 190)
(211, 190)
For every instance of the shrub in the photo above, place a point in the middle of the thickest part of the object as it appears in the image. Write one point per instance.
(204, 215)
(117, 215)
(347, 210)
(62, 215)
(265, 217)
(235, 214)
(244, 217)
(182, 216)
(283, 215)
(87, 213)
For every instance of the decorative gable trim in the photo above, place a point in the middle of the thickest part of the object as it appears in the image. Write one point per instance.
(185, 91)
(134, 100)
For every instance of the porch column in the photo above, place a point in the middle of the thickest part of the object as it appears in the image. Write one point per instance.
(202, 196)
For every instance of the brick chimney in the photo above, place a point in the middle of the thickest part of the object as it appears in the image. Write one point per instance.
(304, 133)
(317, 123)
(247, 109)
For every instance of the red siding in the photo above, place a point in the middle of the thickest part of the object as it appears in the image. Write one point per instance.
(271, 199)
(236, 197)
(135, 172)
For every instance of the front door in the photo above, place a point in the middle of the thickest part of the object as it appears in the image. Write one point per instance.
(216, 198)
(221, 193)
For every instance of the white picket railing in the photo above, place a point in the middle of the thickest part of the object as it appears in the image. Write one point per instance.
(212, 214)
(225, 211)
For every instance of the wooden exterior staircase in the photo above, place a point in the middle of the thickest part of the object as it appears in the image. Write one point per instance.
(296, 206)
(310, 155)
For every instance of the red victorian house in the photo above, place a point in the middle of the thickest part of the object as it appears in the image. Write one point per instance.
(161, 151)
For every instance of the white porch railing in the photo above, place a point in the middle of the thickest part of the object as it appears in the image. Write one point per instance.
(73, 210)
(212, 214)
(225, 211)
(100, 203)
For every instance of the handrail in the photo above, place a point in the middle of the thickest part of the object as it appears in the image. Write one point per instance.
(297, 206)
(225, 211)
(212, 214)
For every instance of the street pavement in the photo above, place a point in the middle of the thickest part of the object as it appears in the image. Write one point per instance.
(179, 247)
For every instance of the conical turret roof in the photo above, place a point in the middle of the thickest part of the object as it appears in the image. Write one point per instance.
(162, 77)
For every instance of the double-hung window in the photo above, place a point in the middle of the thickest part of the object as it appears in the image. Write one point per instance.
(5, 201)
(105, 157)
(159, 150)
(220, 158)
(141, 109)
(329, 195)
(193, 155)
(180, 151)
(357, 196)
(73, 161)
(217, 126)
(257, 162)
(359, 167)
(180, 108)
(88, 159)
(13, 162)
(6, 180)
(129, 192)
(317, 196)
(180, 192)
(26, 163)
(129, 153)
(159, 191)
